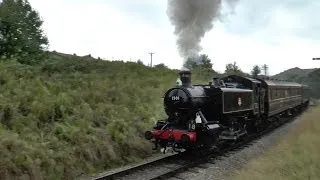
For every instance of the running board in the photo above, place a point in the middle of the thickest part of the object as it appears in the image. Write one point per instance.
(227, 135)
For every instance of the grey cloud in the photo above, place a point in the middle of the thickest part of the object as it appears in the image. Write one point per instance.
(259, 15)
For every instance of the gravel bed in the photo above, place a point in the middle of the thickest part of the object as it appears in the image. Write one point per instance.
(146, 160)
(223, 167)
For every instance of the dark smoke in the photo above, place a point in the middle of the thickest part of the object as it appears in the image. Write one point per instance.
(192, 19)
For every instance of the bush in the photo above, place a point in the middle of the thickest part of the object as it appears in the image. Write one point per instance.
(70, 117)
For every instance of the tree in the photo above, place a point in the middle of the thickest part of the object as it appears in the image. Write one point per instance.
(21, 36)
(161, 65)
(233, 68)
(140, 62)
(190, 63)
(255, 71)
(203, 62)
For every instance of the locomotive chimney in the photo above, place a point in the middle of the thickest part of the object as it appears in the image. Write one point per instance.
(185, 77)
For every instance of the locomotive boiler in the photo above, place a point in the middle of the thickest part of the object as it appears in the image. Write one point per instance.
(224, 110)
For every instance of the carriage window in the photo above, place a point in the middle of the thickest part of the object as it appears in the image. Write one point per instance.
(286, 93)
(289, 92)
(292, 92)
(274, 94)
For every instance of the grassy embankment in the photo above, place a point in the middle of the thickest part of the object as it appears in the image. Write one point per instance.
(73, 116)
(296, 156)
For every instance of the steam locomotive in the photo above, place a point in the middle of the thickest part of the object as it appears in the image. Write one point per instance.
(224, 110)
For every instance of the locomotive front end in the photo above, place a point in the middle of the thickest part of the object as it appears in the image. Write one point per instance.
(181, 104)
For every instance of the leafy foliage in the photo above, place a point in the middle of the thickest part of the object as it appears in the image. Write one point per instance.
(203, 62)
(161, 65)
(255, 71)
(70, 116)
(140, 62)
(233, 69)
(21, 36)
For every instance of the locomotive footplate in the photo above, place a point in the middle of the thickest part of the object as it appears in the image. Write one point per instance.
(232, 134)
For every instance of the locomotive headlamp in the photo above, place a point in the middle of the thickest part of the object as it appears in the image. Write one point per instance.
(198, 118)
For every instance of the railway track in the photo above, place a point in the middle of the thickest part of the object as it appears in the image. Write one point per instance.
(172, 165)
(160, 164)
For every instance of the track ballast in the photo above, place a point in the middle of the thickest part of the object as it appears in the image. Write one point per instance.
(172, 165)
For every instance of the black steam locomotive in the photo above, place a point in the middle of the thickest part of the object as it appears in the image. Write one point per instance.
(226, 109)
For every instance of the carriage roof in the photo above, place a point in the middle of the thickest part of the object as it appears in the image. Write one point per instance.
(281, 83)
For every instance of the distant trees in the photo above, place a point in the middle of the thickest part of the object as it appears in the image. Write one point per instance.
(233, 68)
(161, 65)
(203, 62)
(21, 36)
(190, 63)
(255, 71)
(201, 67)
(140, 62)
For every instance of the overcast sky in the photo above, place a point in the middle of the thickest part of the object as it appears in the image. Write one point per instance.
(282, 34)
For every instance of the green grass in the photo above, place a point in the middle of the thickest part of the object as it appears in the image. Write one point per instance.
(296, 156)
(73, 116)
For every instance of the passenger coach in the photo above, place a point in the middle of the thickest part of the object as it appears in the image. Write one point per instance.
(281, 96)
(272, 97)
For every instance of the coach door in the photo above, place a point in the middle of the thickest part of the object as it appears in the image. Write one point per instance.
(261, 99)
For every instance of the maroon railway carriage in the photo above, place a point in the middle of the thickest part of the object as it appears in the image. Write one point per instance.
(273, 97)
(281, 96)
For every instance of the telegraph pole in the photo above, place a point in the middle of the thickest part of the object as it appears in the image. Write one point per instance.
(265, 69)
(151, 53)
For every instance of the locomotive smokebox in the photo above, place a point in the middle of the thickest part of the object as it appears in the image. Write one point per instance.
(185, 77)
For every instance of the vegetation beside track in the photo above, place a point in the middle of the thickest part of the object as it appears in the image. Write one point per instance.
(296, 156)
(70, 116)
(62, 116)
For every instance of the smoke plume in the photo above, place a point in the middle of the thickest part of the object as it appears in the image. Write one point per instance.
(192, 19)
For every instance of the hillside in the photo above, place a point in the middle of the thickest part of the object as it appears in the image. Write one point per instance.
(73, 116)
(294, 74)
(309, 77)
(313, 81)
